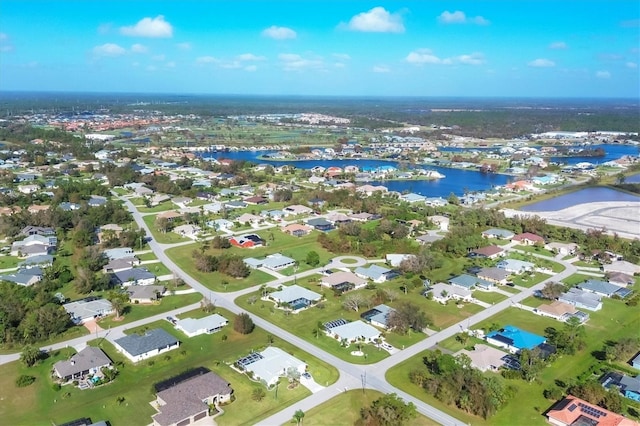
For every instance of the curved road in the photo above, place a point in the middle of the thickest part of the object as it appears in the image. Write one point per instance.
(351, 375)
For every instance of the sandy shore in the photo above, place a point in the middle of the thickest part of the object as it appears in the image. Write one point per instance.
(615, 217)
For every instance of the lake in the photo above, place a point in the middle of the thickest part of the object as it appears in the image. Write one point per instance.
(457, 181)
(587, 195)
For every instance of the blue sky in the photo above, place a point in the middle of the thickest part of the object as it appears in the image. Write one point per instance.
(541, 48)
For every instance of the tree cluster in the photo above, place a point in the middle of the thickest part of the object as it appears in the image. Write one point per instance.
(352, 237)
(231, 265)
(408, 316)
(453, 381)
(243, 324)
(388, 410)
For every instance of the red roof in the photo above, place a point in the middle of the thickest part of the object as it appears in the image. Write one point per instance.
(528, 236)
(571, 408)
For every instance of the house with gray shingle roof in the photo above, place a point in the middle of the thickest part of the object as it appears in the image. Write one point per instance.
(188, 400)
(207, 325)
(138, 347)
(582, 299)
(297, 297)
(375, 273)
(88, 361)
(604, 288)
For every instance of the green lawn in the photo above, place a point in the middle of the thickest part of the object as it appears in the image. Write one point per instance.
(162, 207)
(147, 256)
(7, 262)
(536, 250)
(529, 280)
(489, 296)
(614, 321)
(136, 312)
(344, 409)
(41, 404)
(157, 268)
(576, 279)
(71, 333)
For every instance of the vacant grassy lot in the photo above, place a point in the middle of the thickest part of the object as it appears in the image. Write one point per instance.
(344, 409)
(489, 296)
(9, 262)
(41, 404)
(147, 256)
(614, 321)
(163, 238)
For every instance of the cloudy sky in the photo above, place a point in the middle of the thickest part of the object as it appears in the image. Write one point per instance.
(541, 48)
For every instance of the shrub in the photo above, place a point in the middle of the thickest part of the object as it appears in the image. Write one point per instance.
(243, 323)
(24, 380)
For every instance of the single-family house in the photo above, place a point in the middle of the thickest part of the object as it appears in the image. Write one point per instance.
(563, 249)
(206, 325)
(247, 241)
(528, 239)
(133, 276)
(256, 200)
(88, 361)
(182, 202)
(621, 266)
(186, 399)
(169, 215)
(577, 412)
(188, 230)
(514, 339)
(298, 209)
(138, 347)
(278, 261)
(442, 292)
(41, 261)
(296, 229)
(413, 198)
(250, 219)
(271, 364)
(121, 264)
(582, 299)
(352, 331)
(500, 234)
(88, 309)
(560, 311)
(45, 231)
(487, 252)
(337, 218)
(442, 222)
(604, 288)
(378, 316)
(628, 386)
(320, 224)
(118, 253)
(484, 357)
(342, 281)
(425, 239)
(620, 278)
(220, 224)
(375, 273)
(515, 266)
(96, 201)
(296, 297)
(469, 282)
(68, 207)
(145, 294)
(494, 275)
(395, 259)
(635, 362)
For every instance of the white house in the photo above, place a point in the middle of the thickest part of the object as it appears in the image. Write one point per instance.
(354, 331)
(271, 364)
(442, 292)
(138, 347)
(207, 325)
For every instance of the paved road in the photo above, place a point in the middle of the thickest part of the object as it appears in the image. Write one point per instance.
(351, 375)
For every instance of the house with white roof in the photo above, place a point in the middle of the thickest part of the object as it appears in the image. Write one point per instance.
(206, 325)
(375, 273)
(378, 315)
(271, 364)
(353, 331)
(516, 266)
(296, 297)
(88, 309)
(484, 357)
(442, 293)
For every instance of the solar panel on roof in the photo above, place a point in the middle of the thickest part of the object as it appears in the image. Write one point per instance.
(572, 407)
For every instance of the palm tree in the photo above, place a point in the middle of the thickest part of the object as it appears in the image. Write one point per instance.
(118, 302)
(298, 416)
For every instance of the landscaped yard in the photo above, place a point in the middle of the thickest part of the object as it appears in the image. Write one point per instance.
(147, 256)
(344, 409)
(41, 404)
(529, 280)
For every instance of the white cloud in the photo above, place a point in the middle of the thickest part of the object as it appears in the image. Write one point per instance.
(105, 28)
(603, 74)
(170, 64)
(426, 56)
(5, 43)
(542, 63)
(109, 49)
(149, 27)
(294, 62)
(251, 68)
(558, 45)
(341, 56)
(339, 65)
(279, 33)
(206, 60)
(160, 57)
(184, 46)
(381, 69)
(139, 48)
(475, 58)
(459, 17)
(152, 68)
(631, 65)
(250, 57)
(377, 20)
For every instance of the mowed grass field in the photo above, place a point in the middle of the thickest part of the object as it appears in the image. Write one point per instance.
(40, 404)
(613, 322)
